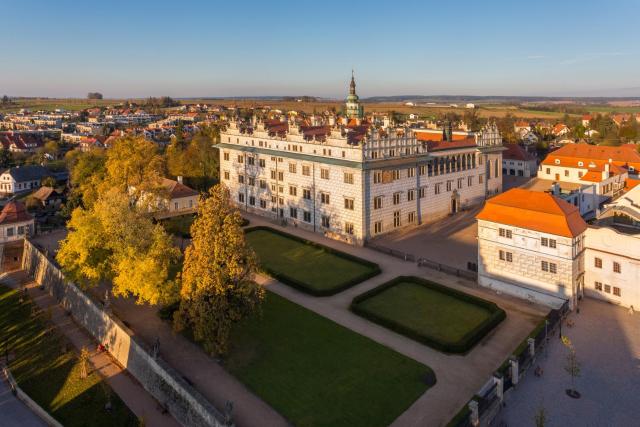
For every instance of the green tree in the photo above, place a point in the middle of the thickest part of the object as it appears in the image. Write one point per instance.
(6, 158)
(48, 181)
(572, 365)
(217, 279)
(87, 171)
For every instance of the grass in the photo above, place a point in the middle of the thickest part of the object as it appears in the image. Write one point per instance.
(443, 318)
(317, 373)
(310, 267)
(50, 374)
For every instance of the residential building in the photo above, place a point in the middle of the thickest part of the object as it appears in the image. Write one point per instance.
(19, 179)
(559, 130)
(352, 180)
(518, 161)
(178, 199)
(531, 245)
(15, 222)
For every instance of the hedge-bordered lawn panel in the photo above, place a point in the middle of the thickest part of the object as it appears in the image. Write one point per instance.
(443, 318)
(317, 373)
(305, 265)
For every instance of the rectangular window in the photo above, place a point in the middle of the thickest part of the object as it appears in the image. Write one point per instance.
(20, 230)
(460, 182)
(324, 198)
(293, 191)
(377, 177)
(503, 232)
(273, 174)
(598, 262)
(348, 228)
(324, 173)
(241, 197)
(411, 195)
(616, 291)
(422, 170)
(421, 192)
(306, 216)
(348, 178)
(225, 156)
(377, 202)
(395, 174)
(553, 268)
(616, 267)
(263, 184)
(306, 170)
(544, 241)
(449, 183)
(480, 179)
(396, 198)
(261, 162)
(552, 243)
(598, 286)
(411, 217)
(280, 176)
(293, 213)
(325, 221)
(377, 227)
(437, 188)
(251, 161)
(501, 255)
(241, 179)
(252, 181)
(545, 266)
(227, 176)
(607, 288)
(292, 168)
(263, 204)
(252, 200)
(411, 172)
(348, 204)
(240, 158)
(396, 219)
(469, 181)
(306, 193)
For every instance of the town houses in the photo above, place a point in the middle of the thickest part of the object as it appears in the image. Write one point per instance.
(352, 180)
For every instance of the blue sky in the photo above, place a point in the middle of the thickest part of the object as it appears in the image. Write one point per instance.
(242, 48)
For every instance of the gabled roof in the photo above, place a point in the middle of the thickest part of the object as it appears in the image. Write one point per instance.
(516, 152)
(570, 154)
(177, 190)
(27, 173)
(45, 193)
(14, 211)
(533, 210)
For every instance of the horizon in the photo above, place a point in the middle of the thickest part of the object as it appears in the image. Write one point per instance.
(254, 50)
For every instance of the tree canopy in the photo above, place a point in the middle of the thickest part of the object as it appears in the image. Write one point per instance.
(217, 278)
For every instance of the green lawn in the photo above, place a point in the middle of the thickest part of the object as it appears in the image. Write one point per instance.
(48, 371)
(445, 319)
(317, 373)
(309, 267)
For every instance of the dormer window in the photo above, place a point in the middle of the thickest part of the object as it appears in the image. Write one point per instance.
(580, 164)
(557, 161)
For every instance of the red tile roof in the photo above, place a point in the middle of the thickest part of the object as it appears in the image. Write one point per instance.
(516, 152)
(13, 212)
(177, 190)
(534, 210)
(569, 155)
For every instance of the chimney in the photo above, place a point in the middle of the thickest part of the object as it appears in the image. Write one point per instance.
(179, 179)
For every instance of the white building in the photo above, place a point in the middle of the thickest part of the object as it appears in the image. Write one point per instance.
(530, 245)
(15, 222)
(351, 180)
(518, 161)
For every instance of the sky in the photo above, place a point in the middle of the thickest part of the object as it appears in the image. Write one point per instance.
(188, 48)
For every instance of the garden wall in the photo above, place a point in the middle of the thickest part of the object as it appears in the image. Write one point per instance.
(185, 403)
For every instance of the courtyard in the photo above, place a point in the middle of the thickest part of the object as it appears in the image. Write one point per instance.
(318, 373)
(308, 266)
(607, 346)
(440, 317)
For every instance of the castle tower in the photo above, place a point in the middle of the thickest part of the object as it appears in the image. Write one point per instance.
(353, 107)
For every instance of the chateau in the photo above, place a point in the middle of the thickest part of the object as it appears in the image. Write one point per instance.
(351, 178)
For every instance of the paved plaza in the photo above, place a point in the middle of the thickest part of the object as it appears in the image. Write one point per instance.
(607, 343)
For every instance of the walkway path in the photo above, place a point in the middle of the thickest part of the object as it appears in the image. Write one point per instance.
(14, 413)
(130, 391)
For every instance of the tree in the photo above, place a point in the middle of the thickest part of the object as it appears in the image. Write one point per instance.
(94, 95)
(5, 100)
(572, 366)
(87, 171)
(83, 361)
(6, 158)
(217, 278)
(48, 181)
(118, 242)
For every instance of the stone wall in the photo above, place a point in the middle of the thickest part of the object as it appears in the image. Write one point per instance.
(185, 403)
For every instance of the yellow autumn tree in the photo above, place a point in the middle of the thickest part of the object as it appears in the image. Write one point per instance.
(217, 278)
(118, 242)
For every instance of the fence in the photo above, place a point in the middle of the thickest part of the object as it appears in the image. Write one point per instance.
(470, 273)
(184, 402)
(485, 406)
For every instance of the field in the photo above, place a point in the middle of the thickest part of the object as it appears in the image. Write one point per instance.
(318, 373)
(445, 319)
(307, 266)
(49, 372)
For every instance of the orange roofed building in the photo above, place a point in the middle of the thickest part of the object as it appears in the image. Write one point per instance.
(530, 244)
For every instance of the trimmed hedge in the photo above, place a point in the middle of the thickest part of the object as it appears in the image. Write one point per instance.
(468, 341)
(304, 287)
